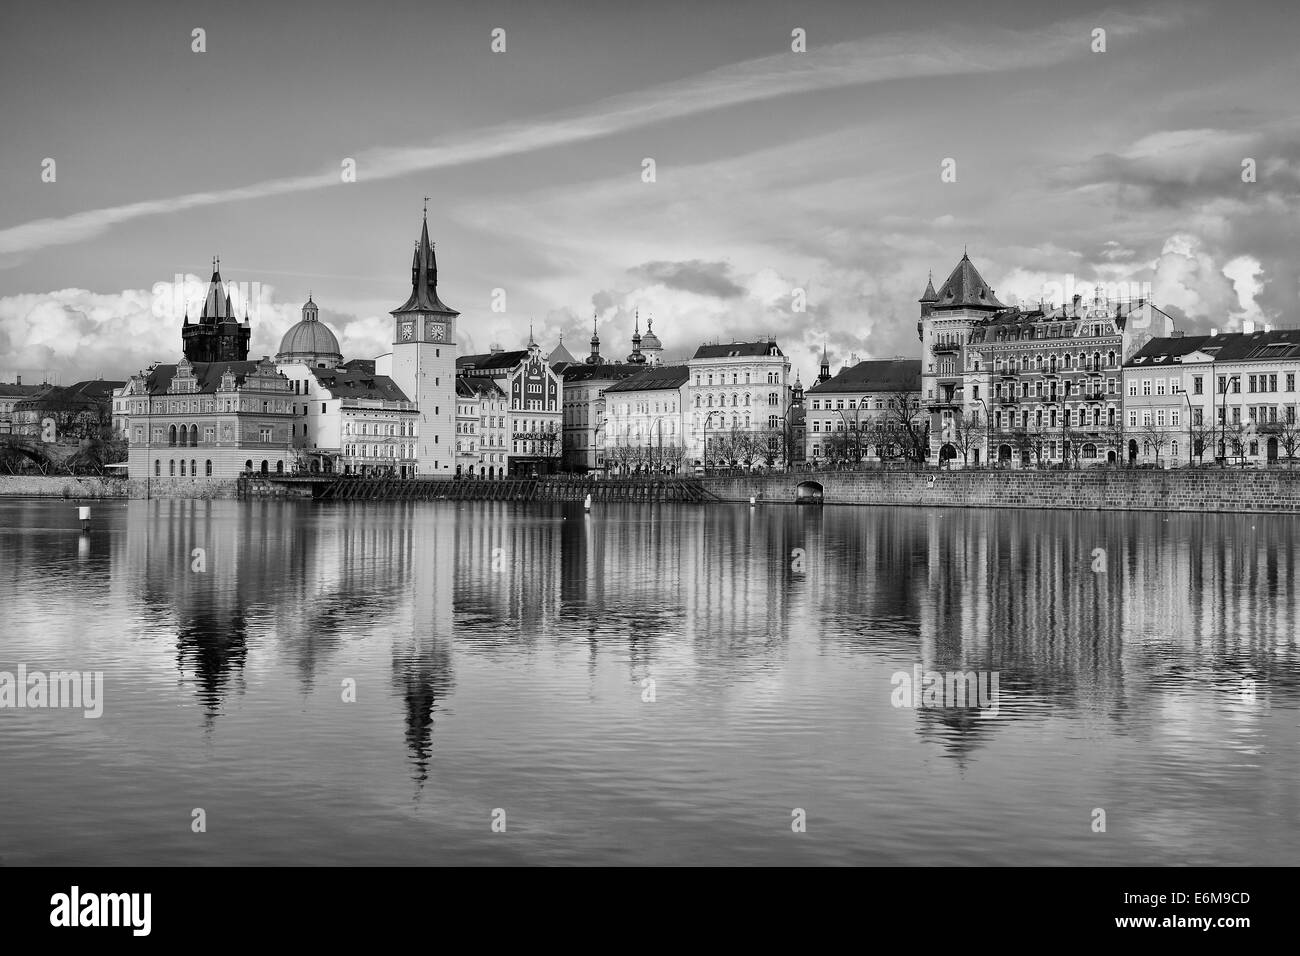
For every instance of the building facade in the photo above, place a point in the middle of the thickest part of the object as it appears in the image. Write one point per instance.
(1024, 387)
(739, 394)
(870, 411)
(1230, 397)
(644, 425)
(584, 412)
(208, 420)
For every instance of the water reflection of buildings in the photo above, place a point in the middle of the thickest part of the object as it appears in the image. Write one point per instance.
(1197, 599)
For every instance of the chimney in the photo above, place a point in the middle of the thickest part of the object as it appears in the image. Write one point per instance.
(1248, 326)
(1214, 331)
(20, 379)
(1268, 328)
(1176, 334)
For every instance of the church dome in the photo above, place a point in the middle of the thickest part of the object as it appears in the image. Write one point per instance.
(310, 342)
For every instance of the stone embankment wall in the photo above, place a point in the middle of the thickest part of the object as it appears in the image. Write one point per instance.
(63, 486)
(1271, 490)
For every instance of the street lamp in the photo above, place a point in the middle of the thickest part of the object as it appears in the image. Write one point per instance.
(1191, 439)
(988, 425)
(1224, 421)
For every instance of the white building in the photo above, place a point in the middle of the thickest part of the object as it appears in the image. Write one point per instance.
(1233, 396)
(423, 362)
(644, 421)
(733, 388)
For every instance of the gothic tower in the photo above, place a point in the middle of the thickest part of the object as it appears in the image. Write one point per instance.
(218, 336)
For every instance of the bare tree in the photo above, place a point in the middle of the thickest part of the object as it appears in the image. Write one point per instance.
(965, 433)
(1288, 436)
(910, 427)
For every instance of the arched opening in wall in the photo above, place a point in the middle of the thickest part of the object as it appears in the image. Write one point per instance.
(1132, 449)
(1272, 449)
(1004, 455)
(171, 435)
(248, 465)
(207, 469)
(266, 468)
(808, 493)
(194, 467)
(157, 467)
(171, 468)
(194, 434)
(1088, 452)
(1110, 457)
(279, 467)
(946, 454)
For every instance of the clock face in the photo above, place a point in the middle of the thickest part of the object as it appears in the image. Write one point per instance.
(406, 331)
(436, 331)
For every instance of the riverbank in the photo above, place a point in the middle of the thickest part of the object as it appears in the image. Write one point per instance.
(1092, 489)
(1275, 491)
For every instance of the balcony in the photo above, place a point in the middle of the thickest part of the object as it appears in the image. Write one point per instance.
(1008, 400)
(945, 348)
(1009, 373)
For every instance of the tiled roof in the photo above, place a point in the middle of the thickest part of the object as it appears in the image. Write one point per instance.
(488, 360)
(876, 375)
(735, 349)
(654, 377)
(23, 391)
(1272, 346)
(352, 383)
(208, 375)
(608, 371)
(966, 289)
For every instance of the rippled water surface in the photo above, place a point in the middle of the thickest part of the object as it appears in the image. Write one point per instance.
(501, 653)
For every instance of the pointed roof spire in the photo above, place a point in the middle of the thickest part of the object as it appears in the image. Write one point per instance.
(424, 277)
(531, 343)
(929, 295)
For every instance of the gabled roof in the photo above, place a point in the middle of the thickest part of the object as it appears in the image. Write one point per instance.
(874, 375)
(653, 377)
(735, 349)
(966, 289)
(23, 391)
(478, 388)
(354, 383)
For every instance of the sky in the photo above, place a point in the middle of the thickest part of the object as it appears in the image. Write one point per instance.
(778, 175)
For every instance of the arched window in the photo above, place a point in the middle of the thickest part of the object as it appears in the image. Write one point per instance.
(194, 468)
(171, 435)
(157, 467)
(1110, 359)
(182, 467)
(279, 467)
(194, 434)
(208, 469)
(248, 465)
(171, 468)
(265, 467)
(709, 401)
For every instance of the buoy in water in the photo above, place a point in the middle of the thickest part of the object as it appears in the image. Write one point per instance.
(83, 513)
(586, 505)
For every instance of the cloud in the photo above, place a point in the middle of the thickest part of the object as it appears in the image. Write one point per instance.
(850, 63)
(71, 334)
(702, 278)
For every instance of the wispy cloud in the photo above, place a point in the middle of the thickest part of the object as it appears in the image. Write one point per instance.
(850, 63)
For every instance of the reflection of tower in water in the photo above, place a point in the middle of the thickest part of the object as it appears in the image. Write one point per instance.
(422, 659)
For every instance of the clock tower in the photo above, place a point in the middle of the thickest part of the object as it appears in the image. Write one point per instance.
(424, 362)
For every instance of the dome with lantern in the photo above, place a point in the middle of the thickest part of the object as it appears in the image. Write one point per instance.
(310, 341)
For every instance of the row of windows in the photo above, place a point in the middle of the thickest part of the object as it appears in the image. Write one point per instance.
(773, 378)
(403, 429)
(194, 468)
(1052, 363)
(1067, 389)
(379, 451)
(1069, 418)
(880, 404)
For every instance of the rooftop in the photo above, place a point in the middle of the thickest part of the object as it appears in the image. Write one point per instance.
(652, 378)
